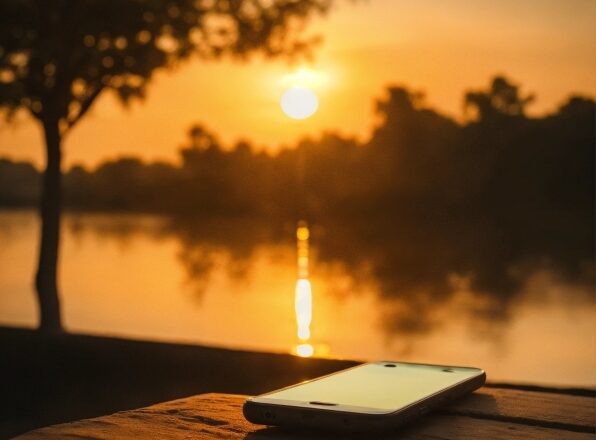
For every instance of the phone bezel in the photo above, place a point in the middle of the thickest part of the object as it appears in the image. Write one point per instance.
(298, 413)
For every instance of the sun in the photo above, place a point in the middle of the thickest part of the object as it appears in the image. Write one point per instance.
(299, 102)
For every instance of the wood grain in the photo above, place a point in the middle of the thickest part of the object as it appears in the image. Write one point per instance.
(529, 407)
(487, 414)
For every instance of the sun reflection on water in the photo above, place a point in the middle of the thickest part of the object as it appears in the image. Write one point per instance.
(305, 350)
(303, 304)
(303, 297)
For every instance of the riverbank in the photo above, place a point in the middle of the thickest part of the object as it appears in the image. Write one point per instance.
(50, 379)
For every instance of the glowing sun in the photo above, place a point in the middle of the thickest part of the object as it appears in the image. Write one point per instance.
(299, 102)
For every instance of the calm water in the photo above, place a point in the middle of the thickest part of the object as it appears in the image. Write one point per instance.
(231, 283)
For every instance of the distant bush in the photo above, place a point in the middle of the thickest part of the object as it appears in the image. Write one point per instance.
(19, 183)
(499, 163)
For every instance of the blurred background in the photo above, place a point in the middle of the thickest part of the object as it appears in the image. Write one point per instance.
(439, 200)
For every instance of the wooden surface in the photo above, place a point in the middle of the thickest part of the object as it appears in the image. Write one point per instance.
(490, 413)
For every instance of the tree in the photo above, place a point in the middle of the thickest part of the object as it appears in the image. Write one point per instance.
(58, 56)
(502, 98)
(411, 147)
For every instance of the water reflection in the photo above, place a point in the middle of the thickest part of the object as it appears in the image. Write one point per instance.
(303, 305)
(303, 298)
(305, 350)
(231, 283)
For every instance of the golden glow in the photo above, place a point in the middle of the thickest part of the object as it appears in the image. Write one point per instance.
(303, 297)
(302, 233)
(322, 350)
(303, 308)
(299, 102)
(306, 78)
(350, 69)
(305, 350)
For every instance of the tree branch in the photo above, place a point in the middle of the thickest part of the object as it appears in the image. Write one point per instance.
(84, 107)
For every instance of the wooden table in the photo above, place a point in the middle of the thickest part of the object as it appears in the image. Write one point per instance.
(490, 413)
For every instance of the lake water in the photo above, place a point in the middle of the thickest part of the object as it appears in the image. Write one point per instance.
(231, 283)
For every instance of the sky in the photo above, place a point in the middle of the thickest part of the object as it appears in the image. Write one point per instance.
(442, 48)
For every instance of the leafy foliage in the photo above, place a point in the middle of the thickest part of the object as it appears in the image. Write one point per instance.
(57, 56)
(502, 98)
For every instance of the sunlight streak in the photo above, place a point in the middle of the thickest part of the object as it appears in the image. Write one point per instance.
(303, 298)
(303, 308)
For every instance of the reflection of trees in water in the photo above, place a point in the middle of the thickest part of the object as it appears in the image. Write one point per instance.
(208, 243)
(422, 279)
(418, 273)
(426, 200)
(124, 228)
(14, 226)
(422, 271)
(422, 266)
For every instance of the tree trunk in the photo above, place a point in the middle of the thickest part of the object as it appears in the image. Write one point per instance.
(46, 277)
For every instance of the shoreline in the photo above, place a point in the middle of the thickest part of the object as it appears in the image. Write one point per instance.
(57, 378)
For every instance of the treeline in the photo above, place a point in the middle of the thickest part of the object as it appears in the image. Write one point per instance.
(500, 160)
(19, 183)
(499, 155)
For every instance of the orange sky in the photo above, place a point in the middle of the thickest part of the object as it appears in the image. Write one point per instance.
(442, 48)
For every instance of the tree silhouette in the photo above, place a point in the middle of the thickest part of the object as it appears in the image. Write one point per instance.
(502, 98)
(58, 56)
(423, 203)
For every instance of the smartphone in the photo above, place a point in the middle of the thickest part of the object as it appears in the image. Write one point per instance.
(375, 396)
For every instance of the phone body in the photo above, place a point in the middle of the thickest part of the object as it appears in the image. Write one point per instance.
(375, 396)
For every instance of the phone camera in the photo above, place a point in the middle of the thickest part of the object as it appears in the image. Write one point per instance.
(390, 365)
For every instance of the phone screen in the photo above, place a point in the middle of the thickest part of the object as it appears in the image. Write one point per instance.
(381, 386)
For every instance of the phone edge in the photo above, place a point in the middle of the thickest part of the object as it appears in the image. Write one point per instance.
(310, 418)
